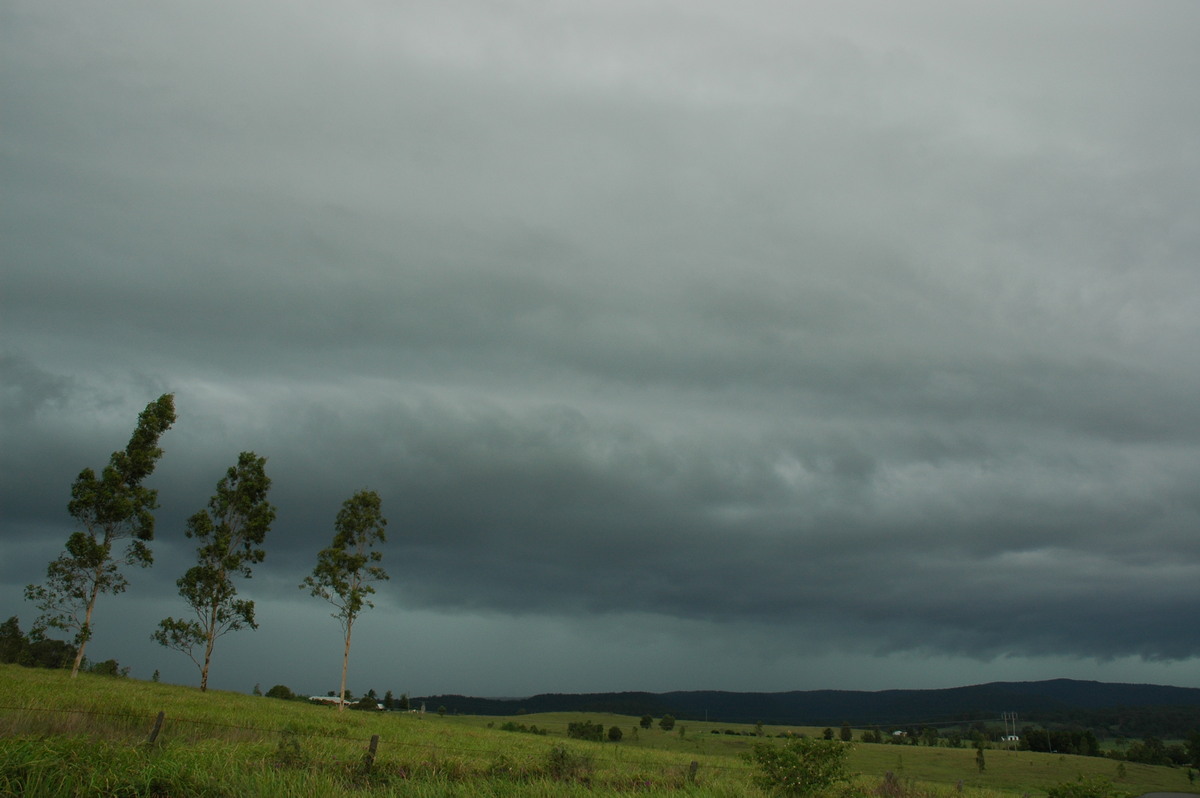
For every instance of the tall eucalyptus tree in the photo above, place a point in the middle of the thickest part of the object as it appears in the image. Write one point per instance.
(345, 570)
(111, 507)
(231, 533)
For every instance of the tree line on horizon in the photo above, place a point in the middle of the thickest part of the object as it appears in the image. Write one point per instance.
(115, 506)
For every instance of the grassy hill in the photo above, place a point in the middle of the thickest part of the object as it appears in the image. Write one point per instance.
(89, 736)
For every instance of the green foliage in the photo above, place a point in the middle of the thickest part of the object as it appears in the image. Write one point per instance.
(13, 645)
(111, 507)
(586, 730)
(289, 752)
(345, 570)
(366, 702)
(109, 667)
(563, 764)
(1061, 741)
(647, 721)
(512, 726)
(47, 653)
(39, 652)
(615, 734)
(281, 691)
(1097, 787)
(231, 533)
(667, 722)
(801, 766)
(846, 733)
(1150, 751)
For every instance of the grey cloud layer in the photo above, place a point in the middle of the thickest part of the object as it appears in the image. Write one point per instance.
(875, 327)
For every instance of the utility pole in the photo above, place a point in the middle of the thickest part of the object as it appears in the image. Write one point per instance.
(1010, 736)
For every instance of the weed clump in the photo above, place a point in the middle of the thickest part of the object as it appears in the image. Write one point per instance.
(562, 764)
(1098, 787)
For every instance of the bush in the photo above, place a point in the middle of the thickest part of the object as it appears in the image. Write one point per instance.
(1098, 787)
(892, 787)
(281, 691)
(521, 727)
(109, 667)
(667, 723)
(564, 765)
(615, 734)
(800, 767)
(586, 730)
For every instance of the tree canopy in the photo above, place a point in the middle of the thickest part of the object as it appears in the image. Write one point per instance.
(345, 569)
(231, 533)
(110, 507)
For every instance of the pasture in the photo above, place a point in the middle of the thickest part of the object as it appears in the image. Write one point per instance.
(91, 736)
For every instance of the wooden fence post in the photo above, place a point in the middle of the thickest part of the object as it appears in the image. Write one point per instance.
(369, 759)
(158, 722)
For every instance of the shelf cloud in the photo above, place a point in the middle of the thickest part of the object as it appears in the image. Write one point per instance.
(689, 346)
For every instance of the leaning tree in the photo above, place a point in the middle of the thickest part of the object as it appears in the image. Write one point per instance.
(111, 507)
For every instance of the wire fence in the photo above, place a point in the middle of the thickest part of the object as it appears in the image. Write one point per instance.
(297, 746)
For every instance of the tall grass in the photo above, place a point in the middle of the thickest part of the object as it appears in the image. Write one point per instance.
(88, 736)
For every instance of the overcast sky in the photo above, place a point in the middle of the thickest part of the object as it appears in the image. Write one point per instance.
(690, 345)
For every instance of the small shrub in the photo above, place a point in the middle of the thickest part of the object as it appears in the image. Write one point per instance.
(503, 767)
(565, 765)
(892, 787)
(520, 727)
(109, 667)
(800, 767)
(289, 753)
(615, 734)
(1097, 787)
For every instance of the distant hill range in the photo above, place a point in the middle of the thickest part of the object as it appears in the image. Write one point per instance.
(1059, 700)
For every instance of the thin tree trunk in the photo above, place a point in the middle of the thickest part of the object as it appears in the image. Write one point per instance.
(345, 664)
(208, 649)
(86, 632)
(210, 641)
(79, 654)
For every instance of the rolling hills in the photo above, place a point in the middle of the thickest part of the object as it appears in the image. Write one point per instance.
(1056, 700)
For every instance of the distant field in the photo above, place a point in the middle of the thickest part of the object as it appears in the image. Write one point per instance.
(88, 736)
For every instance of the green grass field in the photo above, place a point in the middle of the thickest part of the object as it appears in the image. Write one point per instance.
(89, 736)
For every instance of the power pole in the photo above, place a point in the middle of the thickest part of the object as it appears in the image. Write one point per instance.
(1010, 736)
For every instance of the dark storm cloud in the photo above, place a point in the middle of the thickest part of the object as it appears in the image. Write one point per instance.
(844, 330)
